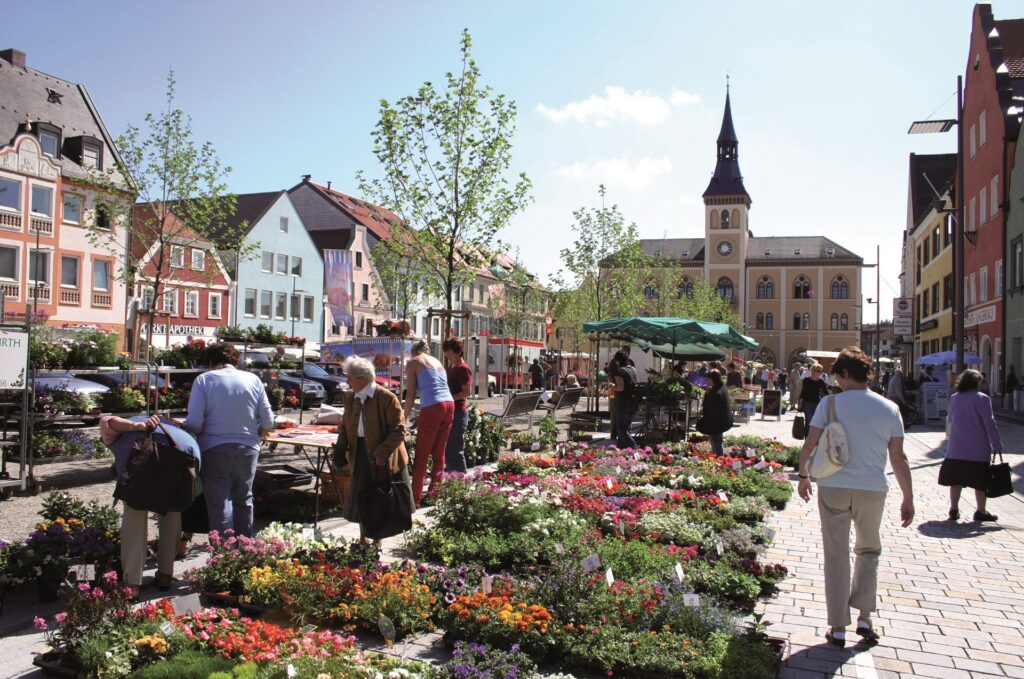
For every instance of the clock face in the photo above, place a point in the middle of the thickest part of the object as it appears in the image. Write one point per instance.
(725, 248)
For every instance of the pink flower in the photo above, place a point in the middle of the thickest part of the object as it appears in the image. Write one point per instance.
(110, 577)
(204, 636)
(60, 617)
(39, 623)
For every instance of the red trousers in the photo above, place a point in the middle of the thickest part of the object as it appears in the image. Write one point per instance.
(433, 426)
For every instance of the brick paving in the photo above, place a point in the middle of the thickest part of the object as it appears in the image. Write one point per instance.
(951, 596)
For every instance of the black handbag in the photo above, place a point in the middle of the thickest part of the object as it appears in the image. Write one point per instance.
(799, 428)
(159, 477)
(1000, 482)
(386, 506)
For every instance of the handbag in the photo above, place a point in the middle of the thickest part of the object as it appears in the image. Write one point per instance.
(799, 431)
(999, 481)
(386, 506)
(159, 477)
(833, 450)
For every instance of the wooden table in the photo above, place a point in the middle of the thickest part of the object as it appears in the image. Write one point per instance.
(302, 437)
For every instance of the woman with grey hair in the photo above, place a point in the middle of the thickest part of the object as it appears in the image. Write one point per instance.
(371, 441)
(427, 375)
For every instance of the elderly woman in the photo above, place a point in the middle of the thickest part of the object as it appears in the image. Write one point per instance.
(120, 435)
(372, 441)
(812, 389)
(973, 438)
(426, 375)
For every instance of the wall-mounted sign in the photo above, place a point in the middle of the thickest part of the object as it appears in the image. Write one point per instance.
(13, 359)
(902, 326)
(928, 325)
(194, 330)
(903, 306)
(978, 316)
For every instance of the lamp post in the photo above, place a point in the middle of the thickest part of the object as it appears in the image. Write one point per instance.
(295, 280)
(936, 126)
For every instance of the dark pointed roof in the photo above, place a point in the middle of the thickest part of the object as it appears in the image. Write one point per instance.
(727, 180)
(931, 176)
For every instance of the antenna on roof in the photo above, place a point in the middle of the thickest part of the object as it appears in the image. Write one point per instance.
(306, 177)
(727, 81)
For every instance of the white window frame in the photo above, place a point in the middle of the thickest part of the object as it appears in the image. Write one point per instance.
(263, 261)
(291, 266)
(982, 207)
(146, 296)
(282, 224)
(31, 207)
(1017, 268)
(308, 302)
(78, 272)
(983, 279)
(202, 259)
(17, 262)
(999, 279)
(86, 158)
(64, 206)
(211, 313)
(994, 197)
(110, 274)
(177, 256)
(56, 141)
(18, 194)
(169, 309)
(269, 295)
(974, 140)
(278, 296)
(280, 259)
(48, 269)
(981, 130)
(255, 302)
(191, 300)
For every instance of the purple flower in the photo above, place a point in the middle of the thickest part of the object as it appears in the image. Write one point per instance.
(449, 598)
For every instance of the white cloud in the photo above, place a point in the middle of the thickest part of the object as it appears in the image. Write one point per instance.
(618, 172)
(619, 105)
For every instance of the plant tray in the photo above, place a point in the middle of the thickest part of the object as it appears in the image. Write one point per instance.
(283, 476)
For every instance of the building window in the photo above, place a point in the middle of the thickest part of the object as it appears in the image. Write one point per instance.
(92, 156)
(650, 292)
(214, 305)
(936, 242)
(935, 298)
(840, 288)
(807, 321)
(42, 200)
(146, 295)
(283, 224)
(192, 304)
(844, 322)
(765, 288)
(50, 142)
(198, 259)
(835, 322)
(759, 323)
(796, 321)
(984, 284)
(250, 302)
(366, 292)
(982, 212)
(296, 303)
(170, 302)
(8, 262)
(802, 288)
(994, 195)
(307, 308)
(972, 215)
(266, 303)
(686, 288)
(724, 288)
(102, 217)
(725, 219)
(69, 271)
(177, 256)
(1017, 262)
(267, 262)
(10, 194)
(39, 266)
(296, 266)
(359, 260)
(947, 291)
(72, 208)
(281, 306)
(924, 305)
(974, 140)
(981, 130)
(999, 279)
(282, 265)
(769, 321)
(947, 230)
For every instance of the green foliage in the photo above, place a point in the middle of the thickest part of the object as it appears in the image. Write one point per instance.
(123, 400)
(189, 664)
(445, 156)
(548, 432)
(275, 395)
(484, 438)
(673, 527)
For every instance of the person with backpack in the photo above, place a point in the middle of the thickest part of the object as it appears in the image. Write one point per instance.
(120, 436)
(624, 405)
(855, 492)
(716, 412)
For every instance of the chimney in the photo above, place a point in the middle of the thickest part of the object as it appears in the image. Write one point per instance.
(328, 184)
(14, 57)
(306, 177)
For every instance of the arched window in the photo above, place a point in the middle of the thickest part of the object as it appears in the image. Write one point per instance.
(735, 219)
(769, 321)
(651, 292)
(840, 288)
(715, 217)
(844, 290)
(807, 321)
(844, 322)
(801, 288)
(835, 321)
(686, 288)
(760, 321)
(725, 219)
(765, 288)
(796, 321)
(724, 288)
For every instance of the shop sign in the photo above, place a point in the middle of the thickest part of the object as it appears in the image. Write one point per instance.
(194, 330)
(13, 359)
(902, 326)
(979, 316)
(928, 325)
(903, 306)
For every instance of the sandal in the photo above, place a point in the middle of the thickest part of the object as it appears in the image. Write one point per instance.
(866, 631)
(834, 638)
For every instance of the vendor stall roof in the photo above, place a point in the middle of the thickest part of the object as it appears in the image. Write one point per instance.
(669, 330)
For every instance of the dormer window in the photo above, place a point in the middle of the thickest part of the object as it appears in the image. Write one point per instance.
(92, 155)
(767, 252)
(796, 252)
(685, 253)
(830, 252)
(49, 139)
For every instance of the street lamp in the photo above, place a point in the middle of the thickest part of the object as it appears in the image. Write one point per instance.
(937, 126)
(295, 280)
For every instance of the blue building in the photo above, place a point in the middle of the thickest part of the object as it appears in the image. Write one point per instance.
(283, 284)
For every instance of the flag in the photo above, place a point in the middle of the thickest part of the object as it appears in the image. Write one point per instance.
(338, 274)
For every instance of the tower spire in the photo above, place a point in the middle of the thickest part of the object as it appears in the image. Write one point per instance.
(727, 180)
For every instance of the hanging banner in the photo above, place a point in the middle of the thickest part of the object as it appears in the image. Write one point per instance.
(338, 275)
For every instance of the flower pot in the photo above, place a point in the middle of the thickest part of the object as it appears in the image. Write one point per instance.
(335, 485)
(47, 589)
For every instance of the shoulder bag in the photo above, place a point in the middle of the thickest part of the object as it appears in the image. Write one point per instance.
(833, 450)
(159, 477)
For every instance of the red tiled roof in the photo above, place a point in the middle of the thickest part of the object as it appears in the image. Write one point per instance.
(1011, 38)
(374, 217)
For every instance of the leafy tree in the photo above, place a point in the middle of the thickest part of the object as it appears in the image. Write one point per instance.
(702, 303)
(518, 304)
(182, 199)
(445, 156)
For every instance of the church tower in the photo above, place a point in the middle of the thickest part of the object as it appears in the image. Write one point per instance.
(726, 211)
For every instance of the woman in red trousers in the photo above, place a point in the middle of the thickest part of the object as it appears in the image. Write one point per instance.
(426, 375)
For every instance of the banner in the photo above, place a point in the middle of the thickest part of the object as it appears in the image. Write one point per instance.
(338, 275)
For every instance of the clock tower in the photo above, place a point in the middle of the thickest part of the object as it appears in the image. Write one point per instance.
(726, 211)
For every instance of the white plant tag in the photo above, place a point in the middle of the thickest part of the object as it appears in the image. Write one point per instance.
(720, 549)
(568, 489)
(308, 534)
(679, 572)
(622, 527)
(618, 470)
(691, 600)
(760, 465)
(661, 495)
(636, 456)
(591, 563)
(751, 453)
(290, 671)
(739, 473)
(485, 583)
(85, 572)
(608, 482)
(722, 496)
(737, 465)
(692, 480)
(608, 577)
(307, 629)
(167, 628)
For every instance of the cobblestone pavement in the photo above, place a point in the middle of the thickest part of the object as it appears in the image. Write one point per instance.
(951, 596)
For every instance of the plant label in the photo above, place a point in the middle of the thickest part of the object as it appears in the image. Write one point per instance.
(485, 584)
(720, 548)
(559, 549)
(737, 465)
(679, 572)
(622, 527)
(167, 628)
(568, 489)
(691, 600)
(692, 480)
(636, 456)
(751, 453)
(618, 470)
(291, 671)
(722, 496)
(608, 577)
(661, 495)
(308, 534)
(608, 482)
(307, 629)
(187, 604)
(85, 572)
(760, 465)
(739, 473)
(591, 563)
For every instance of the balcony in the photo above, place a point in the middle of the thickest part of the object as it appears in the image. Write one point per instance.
(72, 297)
(101, 299)
(11, 289)
(38, 291)
(10, 221)
(41, 225)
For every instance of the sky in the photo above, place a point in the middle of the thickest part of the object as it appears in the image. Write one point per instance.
(625, 94)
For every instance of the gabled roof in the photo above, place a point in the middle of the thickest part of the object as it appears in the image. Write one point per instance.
(27, 94)
(931, 175)
(1011, 38)
(685, 249)
(788, 247)
(374, 217)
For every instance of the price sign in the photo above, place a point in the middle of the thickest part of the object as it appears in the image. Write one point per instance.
(608, 577)
(691, 600)
(722, 496)
(720, 548)
(679, 572)
(591, 563)
(308, 534)
(186, 604)
(85, 572)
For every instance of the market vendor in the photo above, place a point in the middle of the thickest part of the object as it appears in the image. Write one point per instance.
(120, 434)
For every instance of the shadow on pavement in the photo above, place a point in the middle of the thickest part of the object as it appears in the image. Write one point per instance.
(949, 529)
(828, 660)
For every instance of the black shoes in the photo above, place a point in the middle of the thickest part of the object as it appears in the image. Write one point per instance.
(954, 514)
(984, 516)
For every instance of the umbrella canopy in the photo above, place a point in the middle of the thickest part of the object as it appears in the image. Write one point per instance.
(682, 352)
(669, 330)
(946, 358)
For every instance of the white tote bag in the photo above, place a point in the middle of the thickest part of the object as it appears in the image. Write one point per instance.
(833, 450)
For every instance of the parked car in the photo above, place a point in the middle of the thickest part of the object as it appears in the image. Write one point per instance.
(65, 381)
(114, 379)
(313, 393)
(334, 385)
(492, 386)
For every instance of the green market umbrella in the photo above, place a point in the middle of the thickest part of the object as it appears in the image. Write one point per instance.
(682, 352)
(671, 331)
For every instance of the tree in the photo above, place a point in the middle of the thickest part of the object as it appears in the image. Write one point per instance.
(699, 301)
(445, 157)
(397, 275)
(181, 196)
(516, 306)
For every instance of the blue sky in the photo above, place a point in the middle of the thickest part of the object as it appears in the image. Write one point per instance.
(628, 94)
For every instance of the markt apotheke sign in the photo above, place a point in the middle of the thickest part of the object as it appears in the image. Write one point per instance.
(13, 359)
(194, 330)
